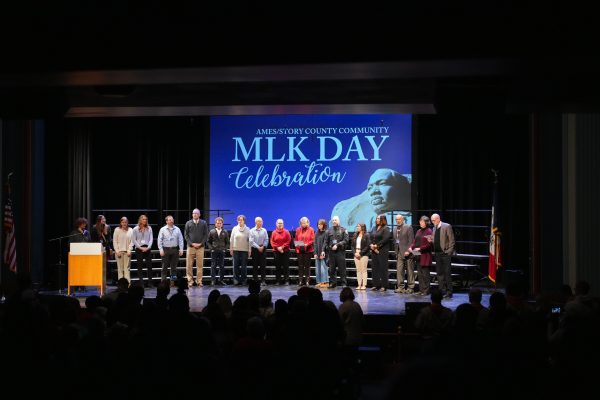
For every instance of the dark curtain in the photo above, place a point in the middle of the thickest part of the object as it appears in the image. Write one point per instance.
(453, 161)
(80, 185)
(153, 163)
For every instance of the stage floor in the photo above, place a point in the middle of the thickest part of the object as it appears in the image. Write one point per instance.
(372, 302)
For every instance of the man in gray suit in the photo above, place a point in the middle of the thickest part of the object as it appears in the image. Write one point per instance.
(443, 249)
(403, 238)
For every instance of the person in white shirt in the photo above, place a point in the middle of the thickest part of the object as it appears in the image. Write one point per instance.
(123, 244)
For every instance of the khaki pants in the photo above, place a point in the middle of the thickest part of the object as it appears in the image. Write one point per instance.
(361, 270)
(123, 266)
(198, 255)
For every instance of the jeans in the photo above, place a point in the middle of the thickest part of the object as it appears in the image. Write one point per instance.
(321, 270)
(217, 259)
(240, 267)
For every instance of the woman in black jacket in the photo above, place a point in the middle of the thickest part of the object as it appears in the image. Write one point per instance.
(380, 249)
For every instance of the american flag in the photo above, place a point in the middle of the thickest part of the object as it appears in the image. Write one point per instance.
(10, 249)
(495, 254)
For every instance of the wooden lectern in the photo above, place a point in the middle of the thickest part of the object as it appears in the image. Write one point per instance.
(87, 266)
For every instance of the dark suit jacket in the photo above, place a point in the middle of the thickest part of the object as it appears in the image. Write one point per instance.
(381, 238)
(364, 245)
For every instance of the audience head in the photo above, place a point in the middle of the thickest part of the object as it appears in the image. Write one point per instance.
(265, 298)
(163, 289)
(181, 284)
(475, 295)
(566, 292)
(346, 294)
(136, 293)
(93, 302)
(253, 286)
(281, 307)
(179, 304)
(224, 302)
(122, 284)
(213, 296)
(498, 301)
(436, 296)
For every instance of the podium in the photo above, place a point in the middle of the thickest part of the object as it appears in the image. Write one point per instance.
(87, 266)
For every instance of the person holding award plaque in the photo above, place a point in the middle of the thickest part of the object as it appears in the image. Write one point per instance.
(421, 250)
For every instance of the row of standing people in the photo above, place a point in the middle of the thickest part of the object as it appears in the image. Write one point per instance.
(327, 246)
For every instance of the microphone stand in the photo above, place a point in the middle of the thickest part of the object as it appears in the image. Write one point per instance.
(60, 265)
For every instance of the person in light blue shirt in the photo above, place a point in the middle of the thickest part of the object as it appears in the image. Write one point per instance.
(259, 240)
(170, 245)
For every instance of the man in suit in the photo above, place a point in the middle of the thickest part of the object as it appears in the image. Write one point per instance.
(443, 249)
(403, 238)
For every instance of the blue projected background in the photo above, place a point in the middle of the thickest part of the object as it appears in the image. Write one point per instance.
(290, 166)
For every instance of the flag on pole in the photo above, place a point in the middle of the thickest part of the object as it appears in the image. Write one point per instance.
(10, 248)
(495, 254)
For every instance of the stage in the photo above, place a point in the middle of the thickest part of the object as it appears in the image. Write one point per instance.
(372, 302)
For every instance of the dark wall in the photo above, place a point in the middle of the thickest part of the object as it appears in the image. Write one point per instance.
(454, 158)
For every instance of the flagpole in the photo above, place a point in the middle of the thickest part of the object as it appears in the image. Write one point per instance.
(486, 281)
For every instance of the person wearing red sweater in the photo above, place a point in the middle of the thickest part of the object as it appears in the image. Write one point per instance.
(280, 242)
(306, 235)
